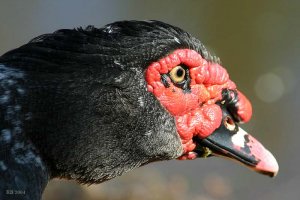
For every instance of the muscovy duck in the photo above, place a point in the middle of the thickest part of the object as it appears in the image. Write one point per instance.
(91, 104)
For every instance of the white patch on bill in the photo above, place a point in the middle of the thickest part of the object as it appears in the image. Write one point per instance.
(239, 138)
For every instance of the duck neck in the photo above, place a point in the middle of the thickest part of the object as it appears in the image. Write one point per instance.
(23, 174)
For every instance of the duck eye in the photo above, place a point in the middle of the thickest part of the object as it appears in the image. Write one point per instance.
(177, 74)
(229, 123)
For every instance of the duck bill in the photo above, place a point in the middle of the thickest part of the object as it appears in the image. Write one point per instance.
(242, 147)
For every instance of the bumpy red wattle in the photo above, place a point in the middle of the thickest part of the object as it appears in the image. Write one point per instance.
(195, 112)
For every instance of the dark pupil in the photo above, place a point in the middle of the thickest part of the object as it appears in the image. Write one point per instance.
(179, 73)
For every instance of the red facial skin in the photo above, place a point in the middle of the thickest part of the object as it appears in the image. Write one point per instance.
(195, 112)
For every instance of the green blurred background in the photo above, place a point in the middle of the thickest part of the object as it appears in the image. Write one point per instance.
(259, 44)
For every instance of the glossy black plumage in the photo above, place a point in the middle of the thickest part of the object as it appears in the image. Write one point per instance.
(84, 112)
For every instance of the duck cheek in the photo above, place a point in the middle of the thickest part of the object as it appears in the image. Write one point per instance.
(199, 123)
(178, 102)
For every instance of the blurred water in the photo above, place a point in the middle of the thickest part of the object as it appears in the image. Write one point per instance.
(257, 41)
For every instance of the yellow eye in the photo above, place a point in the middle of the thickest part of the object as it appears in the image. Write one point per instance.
(177, 74)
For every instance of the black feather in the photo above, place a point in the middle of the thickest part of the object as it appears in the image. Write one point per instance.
(84, 111)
